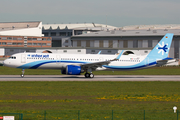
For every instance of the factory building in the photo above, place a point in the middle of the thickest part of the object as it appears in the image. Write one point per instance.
(61, 33)
(133, 38)
(21, 35)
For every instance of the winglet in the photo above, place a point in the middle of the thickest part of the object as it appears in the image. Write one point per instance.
(120, 55)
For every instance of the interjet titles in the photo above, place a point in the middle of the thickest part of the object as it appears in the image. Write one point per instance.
(39, 56)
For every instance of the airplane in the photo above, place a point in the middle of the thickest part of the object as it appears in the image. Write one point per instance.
(75, 64)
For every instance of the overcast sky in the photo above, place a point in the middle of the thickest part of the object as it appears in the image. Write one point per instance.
(112, 12)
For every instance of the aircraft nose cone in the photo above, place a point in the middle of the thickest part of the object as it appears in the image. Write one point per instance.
(5, 62)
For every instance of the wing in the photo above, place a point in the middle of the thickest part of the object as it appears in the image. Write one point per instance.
(95, 65)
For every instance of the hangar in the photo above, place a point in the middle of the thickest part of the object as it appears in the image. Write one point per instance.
(61, 33)
(143, 37)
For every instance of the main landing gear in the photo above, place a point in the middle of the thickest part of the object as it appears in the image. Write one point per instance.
(89, 75)
(23, 71)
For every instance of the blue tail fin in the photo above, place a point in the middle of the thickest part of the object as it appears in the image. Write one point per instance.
(161, 50)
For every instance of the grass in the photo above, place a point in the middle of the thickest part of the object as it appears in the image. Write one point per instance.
(150, 71)
(90, 99)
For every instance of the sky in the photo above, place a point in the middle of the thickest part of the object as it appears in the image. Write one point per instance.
(117, 13)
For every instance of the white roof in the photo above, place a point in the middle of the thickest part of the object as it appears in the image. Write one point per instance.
(137, 30)
(77, 26)
(21, 29)
(17, 25)
(146, 27)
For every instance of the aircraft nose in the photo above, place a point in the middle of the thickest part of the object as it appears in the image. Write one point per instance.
(5, 62)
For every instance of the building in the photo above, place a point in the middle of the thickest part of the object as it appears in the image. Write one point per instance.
(61, 33)
(134, 38)
(22, 34)
(24, 41)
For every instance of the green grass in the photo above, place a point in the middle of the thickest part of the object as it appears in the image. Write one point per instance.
(150, 71)
(90, 99)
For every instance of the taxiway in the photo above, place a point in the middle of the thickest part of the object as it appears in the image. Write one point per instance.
(96, 78)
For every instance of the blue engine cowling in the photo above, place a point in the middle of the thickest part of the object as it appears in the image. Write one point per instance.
(71, 70)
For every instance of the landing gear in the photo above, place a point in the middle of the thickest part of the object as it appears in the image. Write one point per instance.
(22, 75)
(23, 71)
(89, 75)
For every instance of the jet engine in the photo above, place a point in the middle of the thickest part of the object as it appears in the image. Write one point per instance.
(72, 70)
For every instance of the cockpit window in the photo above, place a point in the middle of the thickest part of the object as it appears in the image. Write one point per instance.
(12, 57)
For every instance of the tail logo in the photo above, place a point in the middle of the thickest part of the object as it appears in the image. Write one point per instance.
(162, 48)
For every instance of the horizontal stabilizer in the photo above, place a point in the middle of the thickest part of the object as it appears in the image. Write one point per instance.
(164, 62)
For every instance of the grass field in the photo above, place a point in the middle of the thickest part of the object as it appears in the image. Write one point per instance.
(91, 100)
(33, 98)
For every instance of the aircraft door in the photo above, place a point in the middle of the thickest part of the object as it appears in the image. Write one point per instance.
(58, 58)
(23, 58)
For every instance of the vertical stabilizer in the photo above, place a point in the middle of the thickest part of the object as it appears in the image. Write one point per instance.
(161, 50)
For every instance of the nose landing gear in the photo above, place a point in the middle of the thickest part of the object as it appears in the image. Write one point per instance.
(23, 71)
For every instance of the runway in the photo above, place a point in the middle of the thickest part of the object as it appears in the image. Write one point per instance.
(96, 78)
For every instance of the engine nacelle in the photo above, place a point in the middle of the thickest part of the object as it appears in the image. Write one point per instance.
(71, 70)
(63, 71)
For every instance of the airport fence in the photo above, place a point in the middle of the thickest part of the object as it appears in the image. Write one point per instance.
(96, 115)
(17, 116)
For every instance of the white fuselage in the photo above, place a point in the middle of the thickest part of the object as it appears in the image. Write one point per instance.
(60, 61)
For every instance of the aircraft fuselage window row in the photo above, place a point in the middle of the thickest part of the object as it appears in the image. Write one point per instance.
(63, 59)
(126, 60)
(77, 59)
(129, 60)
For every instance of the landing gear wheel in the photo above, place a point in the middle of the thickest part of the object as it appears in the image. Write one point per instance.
(91, 75)
(23, 71)
(22, 75)
(86, 75)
